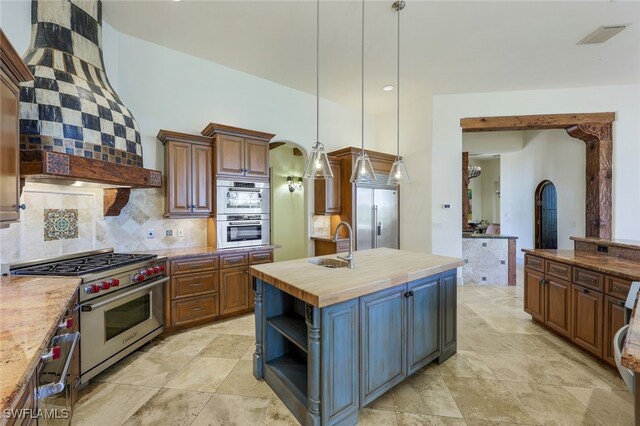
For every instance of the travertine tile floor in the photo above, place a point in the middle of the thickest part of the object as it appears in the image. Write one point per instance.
(507, 371)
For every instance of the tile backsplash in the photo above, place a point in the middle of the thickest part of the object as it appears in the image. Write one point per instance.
(67, 219)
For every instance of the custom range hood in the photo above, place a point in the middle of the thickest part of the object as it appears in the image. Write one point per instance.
(73, 125)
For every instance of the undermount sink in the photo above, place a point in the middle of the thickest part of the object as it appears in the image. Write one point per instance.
(329, 262)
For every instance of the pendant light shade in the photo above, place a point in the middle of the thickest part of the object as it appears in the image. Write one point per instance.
(362, 169)
(317, 166)
(398, 174)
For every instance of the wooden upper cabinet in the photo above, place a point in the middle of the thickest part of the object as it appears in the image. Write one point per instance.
(12, 72)
(256, 158)
(202, 178)
(240, 152)
(230, 156)
(189, 174)
(327, 191)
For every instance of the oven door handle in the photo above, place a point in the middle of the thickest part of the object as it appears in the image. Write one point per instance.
(245, 190)
(257, 222)
(90, 307)
(50, 389)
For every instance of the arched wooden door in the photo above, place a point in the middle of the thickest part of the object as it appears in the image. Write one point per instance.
(546, 206)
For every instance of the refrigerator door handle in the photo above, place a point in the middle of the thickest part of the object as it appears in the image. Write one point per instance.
(379, 227)
(374, 227)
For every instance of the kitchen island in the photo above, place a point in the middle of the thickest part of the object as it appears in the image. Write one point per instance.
(329, 340)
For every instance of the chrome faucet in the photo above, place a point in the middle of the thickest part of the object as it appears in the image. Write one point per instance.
(349, 257)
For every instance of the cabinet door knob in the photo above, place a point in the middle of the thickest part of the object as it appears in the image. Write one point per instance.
(584, 290)
(407, 294)
(22, 206)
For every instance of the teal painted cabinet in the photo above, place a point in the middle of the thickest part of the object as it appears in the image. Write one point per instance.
(383, 325)
(423, 322)
(327, 363)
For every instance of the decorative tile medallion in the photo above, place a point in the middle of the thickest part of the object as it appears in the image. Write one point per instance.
(60, 224)
(57, 164)
(155, 178)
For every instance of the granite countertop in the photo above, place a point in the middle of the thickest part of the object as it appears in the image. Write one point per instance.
(375, 270)
(623, 268)
(610, 242)
(29, 314)
(631, 349)
(176, 253)
(493, 236)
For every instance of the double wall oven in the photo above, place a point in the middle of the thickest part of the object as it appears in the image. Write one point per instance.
(243, 218)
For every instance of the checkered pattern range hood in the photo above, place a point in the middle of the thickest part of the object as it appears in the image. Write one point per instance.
(71, 107)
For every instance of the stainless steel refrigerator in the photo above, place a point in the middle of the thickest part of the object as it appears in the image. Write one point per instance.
(376, 217)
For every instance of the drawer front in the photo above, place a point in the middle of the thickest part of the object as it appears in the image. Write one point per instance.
(231, 260)
(342, 246)
(196, 308)
(261, 257)
(587, 278)
(534, 263)
(617, 287)
(192, 284)
(185, 266)
(558, 270)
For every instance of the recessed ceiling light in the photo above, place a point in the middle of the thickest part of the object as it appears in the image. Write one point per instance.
(388, 88)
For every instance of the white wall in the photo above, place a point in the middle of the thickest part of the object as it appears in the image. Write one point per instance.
(287, 208)
(415, 147)
(492, 142)
(447, 145)
(547, 155)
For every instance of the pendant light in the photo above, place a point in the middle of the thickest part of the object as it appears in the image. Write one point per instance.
(398, 172)
(362, 169)
(317, 166)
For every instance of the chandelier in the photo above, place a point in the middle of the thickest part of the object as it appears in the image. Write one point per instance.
(474, 171)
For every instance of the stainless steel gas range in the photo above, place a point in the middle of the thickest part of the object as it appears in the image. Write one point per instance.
(121, 301)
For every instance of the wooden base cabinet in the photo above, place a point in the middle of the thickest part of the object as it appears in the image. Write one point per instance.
(614, 320)
(193, 295)
(558, 305)
(588, 311)
(534, 295)
(587, 319)
(234, 290)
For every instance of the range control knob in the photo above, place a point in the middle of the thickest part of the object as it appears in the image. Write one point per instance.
(66, 324)
(93, 288)
(149, 271)
(156, 269)
(114, 282)
(105, 285)
(161, 268)
(52, 354)
(138, 278)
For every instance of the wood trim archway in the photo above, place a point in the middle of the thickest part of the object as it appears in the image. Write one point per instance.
(595, 130)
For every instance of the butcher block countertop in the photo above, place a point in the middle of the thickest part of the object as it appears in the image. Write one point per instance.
(29, 310)
(375, 270)
(623, 268)
(186, 252)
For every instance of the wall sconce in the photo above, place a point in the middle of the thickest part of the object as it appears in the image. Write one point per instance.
(294, 186)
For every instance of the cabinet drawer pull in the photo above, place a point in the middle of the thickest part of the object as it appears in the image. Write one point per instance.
(558, 270)
(620, 303)
(620, 289)
(197, 265)
(588, 279)
(199, 308)
(195, 285)
(584, 290)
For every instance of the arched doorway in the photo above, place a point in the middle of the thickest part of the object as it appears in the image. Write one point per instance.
(546, 207)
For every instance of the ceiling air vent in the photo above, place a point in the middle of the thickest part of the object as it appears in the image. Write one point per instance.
(603, 33)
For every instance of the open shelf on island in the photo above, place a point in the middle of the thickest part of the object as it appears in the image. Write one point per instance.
(292, 371)
(293, 327)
